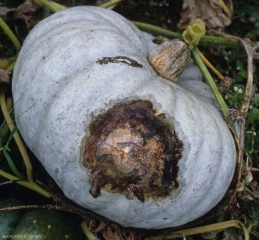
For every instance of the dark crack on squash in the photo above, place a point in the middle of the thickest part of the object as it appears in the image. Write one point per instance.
(120, 59)
(133, 150)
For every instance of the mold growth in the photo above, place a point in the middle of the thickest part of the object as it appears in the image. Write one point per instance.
(133, 150)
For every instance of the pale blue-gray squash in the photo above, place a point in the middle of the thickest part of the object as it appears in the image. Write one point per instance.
(117, 138)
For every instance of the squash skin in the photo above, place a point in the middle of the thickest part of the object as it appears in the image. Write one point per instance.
(47, 224)
(9, 220)
(58, 87)
(36, 224)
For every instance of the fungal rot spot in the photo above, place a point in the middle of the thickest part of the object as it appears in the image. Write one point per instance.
(133, 150)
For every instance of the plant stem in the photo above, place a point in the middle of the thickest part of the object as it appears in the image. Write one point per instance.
(59, 6)
(11, 67)
(109, 3)
(223, 106)
(225, 8)
(210, 66)
(218, 41)
(203, 229)
(48, 4)
(156, 30)
(9, 104)
(88, 234)
(204, 41)
(4, 131)
(30, 185)
(10, 34)
(17, 138)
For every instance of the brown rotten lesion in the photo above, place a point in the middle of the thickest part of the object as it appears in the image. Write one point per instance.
(134, 151)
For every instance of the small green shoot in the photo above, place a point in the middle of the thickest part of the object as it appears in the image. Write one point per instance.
(5, 149)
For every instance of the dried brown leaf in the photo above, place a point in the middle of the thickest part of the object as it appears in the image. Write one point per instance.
(231, 234)
(240, 188)
(226, 83)
(4, 77)
(256, 53)
(4, 12)
(249, 175)
(209, 235)
(26, 12)
(254, 188)
(210, 11)
(113, 231)
(95, 228)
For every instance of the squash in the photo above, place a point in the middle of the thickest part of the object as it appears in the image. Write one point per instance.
(117, 138)
(36, 224)
(9, 219)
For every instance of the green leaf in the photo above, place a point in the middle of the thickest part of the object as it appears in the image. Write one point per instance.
(11, 164)
(11, 136)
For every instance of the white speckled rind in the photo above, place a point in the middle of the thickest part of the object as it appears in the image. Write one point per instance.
(58, 87)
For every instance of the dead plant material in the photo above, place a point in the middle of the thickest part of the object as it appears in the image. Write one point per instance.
(114, 231)
(226, 83)
(250, 190)
(4, 77)
(240, 115)
(248, 92)
(4, 11)
(26, 13)
(216, 227)
(215, 13)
